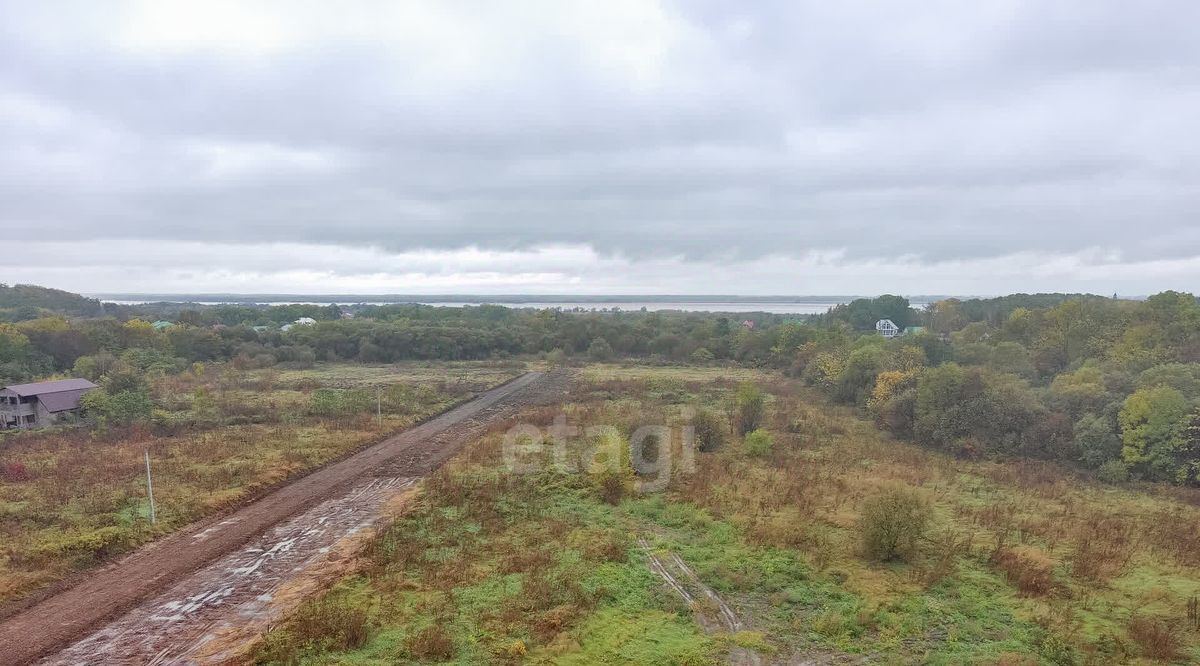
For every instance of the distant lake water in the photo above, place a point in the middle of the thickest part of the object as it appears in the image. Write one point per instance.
(774, 307)
(627, 306)
(691, 306)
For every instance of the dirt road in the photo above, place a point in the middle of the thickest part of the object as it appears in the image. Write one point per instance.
(207, 564)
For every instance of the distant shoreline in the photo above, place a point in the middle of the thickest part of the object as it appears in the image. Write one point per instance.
(482, 298)
(740, 305)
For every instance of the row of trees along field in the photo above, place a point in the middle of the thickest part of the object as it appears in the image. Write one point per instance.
(1112, 385)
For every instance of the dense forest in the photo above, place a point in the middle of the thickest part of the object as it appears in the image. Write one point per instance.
(1107, 384)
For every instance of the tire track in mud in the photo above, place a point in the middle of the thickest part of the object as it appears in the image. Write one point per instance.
(684, 582)
(213, 614)
(182, 560)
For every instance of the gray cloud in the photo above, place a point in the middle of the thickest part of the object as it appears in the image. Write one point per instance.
(934, 133)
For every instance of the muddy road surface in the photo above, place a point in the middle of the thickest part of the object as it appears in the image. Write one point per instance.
(203, 593)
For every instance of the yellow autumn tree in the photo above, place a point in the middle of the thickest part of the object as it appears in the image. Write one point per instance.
(887, 384)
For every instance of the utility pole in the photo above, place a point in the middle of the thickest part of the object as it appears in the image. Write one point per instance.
(150, 489)
(379, 406)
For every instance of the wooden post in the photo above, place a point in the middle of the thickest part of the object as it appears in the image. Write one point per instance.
(150, 490)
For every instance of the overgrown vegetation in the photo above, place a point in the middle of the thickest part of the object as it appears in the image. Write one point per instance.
(977, 561)
(1011, 535)
(893, 524)
(1098, 382)
(73, 497)
(494, 568)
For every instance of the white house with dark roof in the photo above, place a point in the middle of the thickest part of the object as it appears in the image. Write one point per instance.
(41, 403)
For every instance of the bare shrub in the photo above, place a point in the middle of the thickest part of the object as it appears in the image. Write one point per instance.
(433, 643)
(946, 547)
(1104, 546)
(893, 523)
(336, 624)
(612, 487)
(345, 625)
(709, 431)
(526, 560)
(1028, 569)
(1157, 638)
(612, 546)
(1176, 530)
(14, 472)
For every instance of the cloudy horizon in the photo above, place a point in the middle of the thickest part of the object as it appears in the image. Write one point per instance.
(633, 147)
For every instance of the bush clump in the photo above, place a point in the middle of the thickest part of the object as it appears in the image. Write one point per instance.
(758, 443)
(1028, 569)
(749, 407)
(326, 624)
(600, 350)
(709, 431)
(14, 472)
(1113, 471)
(432, 643)
(1157, 638)
(893, 523)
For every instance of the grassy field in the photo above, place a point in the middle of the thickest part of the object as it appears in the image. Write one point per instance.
(1018, 562)
(71, 498)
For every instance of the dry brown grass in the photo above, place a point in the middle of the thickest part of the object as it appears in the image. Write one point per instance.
(1104, 545)
(1156, 637)
(73, 497)
(1028, 569)
(433, 643)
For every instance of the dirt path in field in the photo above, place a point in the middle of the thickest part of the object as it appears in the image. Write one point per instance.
(710, 609)
(190, 596)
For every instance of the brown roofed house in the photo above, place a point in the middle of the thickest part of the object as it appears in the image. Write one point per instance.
(41, 403)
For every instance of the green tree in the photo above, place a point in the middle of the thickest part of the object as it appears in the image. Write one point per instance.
(892, 307)
(1189, 454)
(117, 408)
(1183, 377)
(14, 345)
(936, 408)
(1013, 358)
(1097, 441)
(857, 378)
(1153, 421)
(1081, 391)
(946, 316)
(19, 360)
(121, 377)
(600, 350)
(749, 407)
(702, 356)
(94, 367)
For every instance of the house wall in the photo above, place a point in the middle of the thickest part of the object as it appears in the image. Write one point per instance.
(44, 416)
(13, 415)
(18, 416)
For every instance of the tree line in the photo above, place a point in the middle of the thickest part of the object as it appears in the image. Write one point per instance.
(1108, 384)
(1111, 385)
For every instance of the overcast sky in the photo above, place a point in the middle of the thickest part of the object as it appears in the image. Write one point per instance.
(609, 147)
